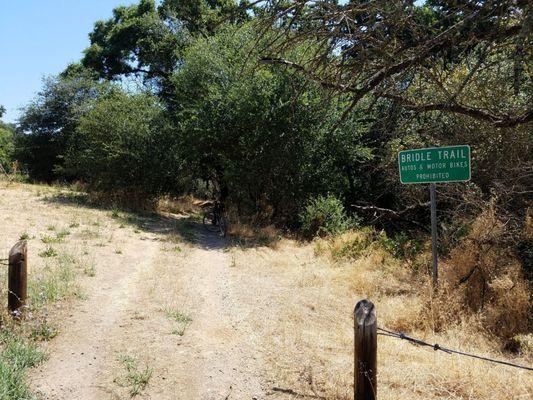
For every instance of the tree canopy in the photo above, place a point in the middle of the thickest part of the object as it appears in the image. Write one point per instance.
(422, 57)
(286, 102)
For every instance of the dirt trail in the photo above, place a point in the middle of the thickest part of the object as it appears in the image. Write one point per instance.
(217, 357)
(125, 314)
(82, 355)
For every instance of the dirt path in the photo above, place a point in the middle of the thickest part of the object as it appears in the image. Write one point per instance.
(216, 359)
(131, 309)
(82, 355)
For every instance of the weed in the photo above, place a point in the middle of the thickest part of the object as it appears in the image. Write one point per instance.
(89, 270)
(43, 331)
(24, 236)
(89, 234)
(177, 315)
(80, 294)
(56, 283)
(180, 330)
(118, 251)
(51, 227)
(47, 239)
(58, 238)
(16, 356)
(136, 378)
(62, 234)
(74, 225)
(49, 252)
(182, 319)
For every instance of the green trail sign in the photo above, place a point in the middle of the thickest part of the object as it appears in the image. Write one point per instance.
(436, 164)
(433, 165)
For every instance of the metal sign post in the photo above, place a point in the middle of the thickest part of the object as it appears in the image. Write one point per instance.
(433, 200)
(432, 165)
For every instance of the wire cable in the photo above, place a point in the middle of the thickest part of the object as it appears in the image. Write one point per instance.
(436, 347)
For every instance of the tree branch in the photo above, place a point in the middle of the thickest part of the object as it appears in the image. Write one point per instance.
(501, 121)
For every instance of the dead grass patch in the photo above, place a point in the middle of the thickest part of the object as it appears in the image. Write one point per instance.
(248, 236)
(309, 347)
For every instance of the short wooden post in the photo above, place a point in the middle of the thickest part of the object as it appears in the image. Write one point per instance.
(17, 277)
(365, 351)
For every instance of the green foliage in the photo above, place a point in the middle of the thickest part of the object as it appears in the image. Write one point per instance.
(43, 331)
(210, 120)
(7, 145)
(48, 122)
(16, 356)
(121, 143)
(48, 252)
(204, 16)
(324, 215)
(136, 378)
(245, 129)
(136, 40)
(400, 246)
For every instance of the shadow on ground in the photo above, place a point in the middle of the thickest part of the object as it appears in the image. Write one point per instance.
(187, 227)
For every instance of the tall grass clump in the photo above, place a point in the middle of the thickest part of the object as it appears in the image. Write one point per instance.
(16, 356)
(483, 283)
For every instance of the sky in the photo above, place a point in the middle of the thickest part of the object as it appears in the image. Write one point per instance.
(40, 38)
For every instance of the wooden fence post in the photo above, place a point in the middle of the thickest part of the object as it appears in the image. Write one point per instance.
(17, 277)
(365, 351)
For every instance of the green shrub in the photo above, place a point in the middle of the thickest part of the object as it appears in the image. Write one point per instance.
(401, 246)
(16, 356)
(325, 215)
(6, 146)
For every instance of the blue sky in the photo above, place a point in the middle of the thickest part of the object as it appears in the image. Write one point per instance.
(39, 38)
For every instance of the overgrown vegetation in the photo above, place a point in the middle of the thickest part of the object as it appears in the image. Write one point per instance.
(16, 355)
(325, 216)
(7, 145)
(482, 283)
(299, 125)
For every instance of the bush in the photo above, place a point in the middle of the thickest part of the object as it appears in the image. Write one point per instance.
(325, 215)
(120, 146)
(6, 146)
(48, 122)
(400, 246)
(483, 278)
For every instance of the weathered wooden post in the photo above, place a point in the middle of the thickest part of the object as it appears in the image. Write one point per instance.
(365, 351)
(17, 277)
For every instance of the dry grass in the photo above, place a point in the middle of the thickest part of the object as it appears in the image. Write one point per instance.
(179, 205)
(248, 235)
(309, 342)
(483, 284)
